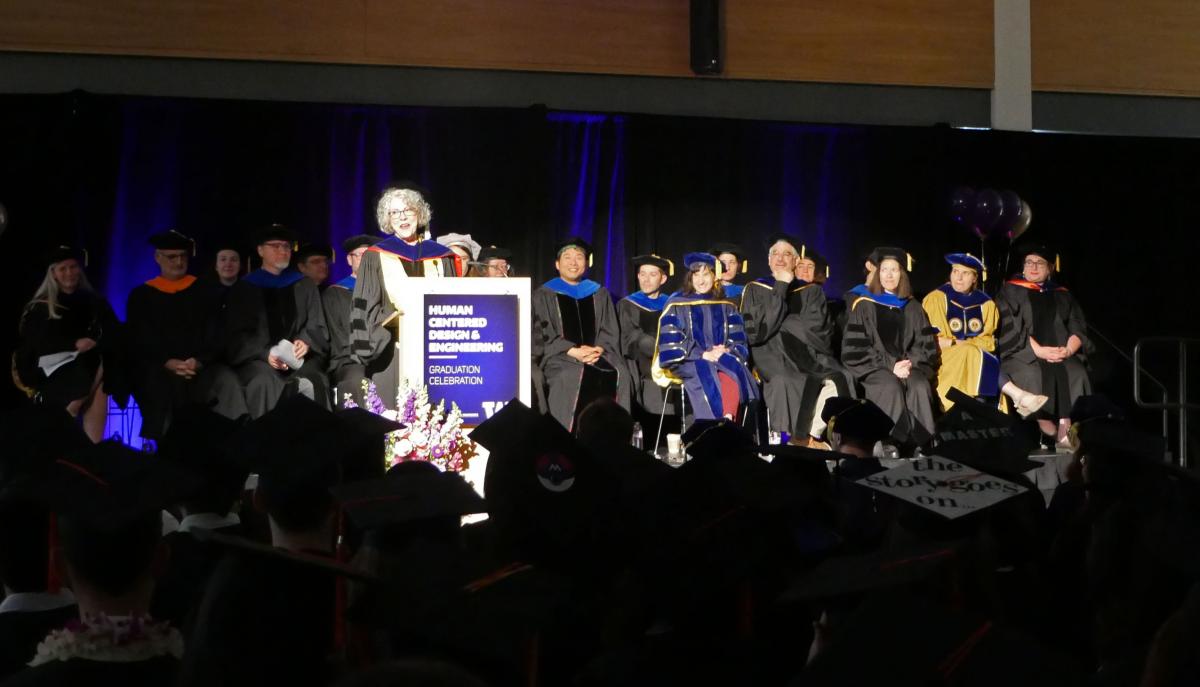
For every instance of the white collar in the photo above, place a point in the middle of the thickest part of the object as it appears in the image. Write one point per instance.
(208, 521)
(35, 602)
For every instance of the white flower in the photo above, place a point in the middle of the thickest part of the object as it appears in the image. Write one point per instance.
(403, 448)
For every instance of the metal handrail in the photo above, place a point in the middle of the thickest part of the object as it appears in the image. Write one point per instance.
(1182, 405)
(1138, 372)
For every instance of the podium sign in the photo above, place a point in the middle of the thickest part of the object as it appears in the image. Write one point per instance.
(474, 342)
(471, 351)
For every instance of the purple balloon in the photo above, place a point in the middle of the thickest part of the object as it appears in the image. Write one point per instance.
(962, 204)
(1010, 212)
(988, 207)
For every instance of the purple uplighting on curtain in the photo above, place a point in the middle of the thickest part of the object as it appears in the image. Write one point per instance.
(147, 196)
(588, 189)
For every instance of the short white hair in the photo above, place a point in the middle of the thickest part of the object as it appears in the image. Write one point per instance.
(412, 198)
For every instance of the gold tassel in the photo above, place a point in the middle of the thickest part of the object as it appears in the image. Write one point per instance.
(827, 271)
(590, 261)
(910, 261)
(85, 256)
(803, 251)
(745, 266)
(670, 266)
(1057, 263)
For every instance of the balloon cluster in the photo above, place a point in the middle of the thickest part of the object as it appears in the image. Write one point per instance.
(990, 212)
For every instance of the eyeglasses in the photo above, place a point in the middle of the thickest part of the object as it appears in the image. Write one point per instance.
(404, 212)
(1036, 263)
(278, 245)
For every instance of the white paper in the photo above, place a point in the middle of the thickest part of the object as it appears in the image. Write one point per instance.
(943, 486)
(286, 351)
(50, 363)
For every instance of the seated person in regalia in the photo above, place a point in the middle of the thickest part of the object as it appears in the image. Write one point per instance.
(702, 343)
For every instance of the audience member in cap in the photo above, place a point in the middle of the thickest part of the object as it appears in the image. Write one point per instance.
(263, 618)
(966, 319)
(889, 347)
(108, 500)
(580, 337)
(466, 248)
(1043, 335)
(702, 344)
(204, 443)
(791, 338)
(273, 307)
(313, 261)
(638, 314)
(733, 267)
(173, 341)
(346, 372)
(33, 437)
(69, 340)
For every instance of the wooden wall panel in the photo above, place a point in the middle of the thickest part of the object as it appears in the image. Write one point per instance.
(605, 36)
(308, 30)
(1117, 46)
(918, 42)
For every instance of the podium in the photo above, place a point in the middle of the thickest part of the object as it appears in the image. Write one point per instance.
(467, 341)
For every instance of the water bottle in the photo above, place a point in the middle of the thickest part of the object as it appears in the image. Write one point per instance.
(637, 435)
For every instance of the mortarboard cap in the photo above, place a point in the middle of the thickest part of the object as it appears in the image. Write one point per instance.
(274, 232)
(735, 250)
(907, 639)
(59, 253)
(791, 240)
(1095, 406)
(1039, 249)
(33, 437)
(574, 242)
(172, 240)
(203, 442)
(358, 241)
(858, 418)
(108, 486)
(979, 435)
(308, 250)
(821, 264)
(403, 498)
(881, 253)
(667, 267)
(494, 253)
(851, 575)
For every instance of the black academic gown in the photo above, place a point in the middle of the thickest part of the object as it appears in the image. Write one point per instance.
(262, 621)
(638, 317)
(1051, 315)
(178, 591)
(880, 331)
(83, 314)
(790, 336)
(154, 672)
(569, 317)
(262, 310)
(372, 335)
(163, 323)
(345, 371)
(22, 631)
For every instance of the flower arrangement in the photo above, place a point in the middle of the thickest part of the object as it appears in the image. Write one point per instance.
(102, 637)
(431, 434)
